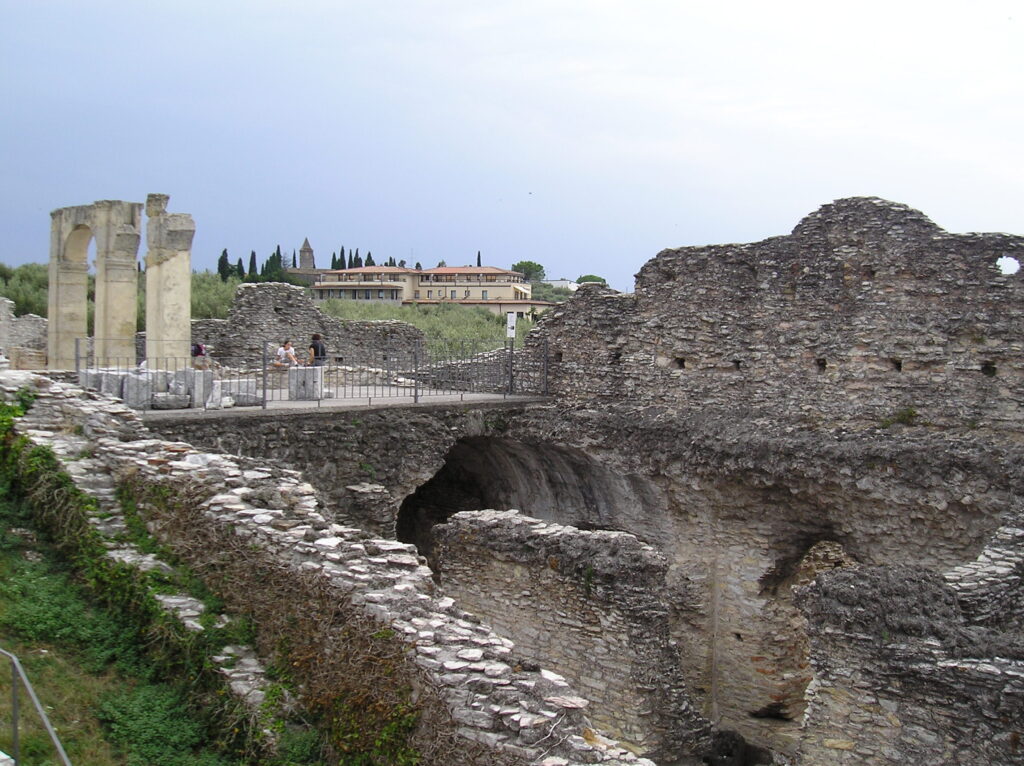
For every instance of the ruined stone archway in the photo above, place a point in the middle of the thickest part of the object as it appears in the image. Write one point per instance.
(114, 225)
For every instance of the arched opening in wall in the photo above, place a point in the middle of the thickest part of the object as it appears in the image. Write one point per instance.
(1007, 264)
(550, 482)
(80, 249)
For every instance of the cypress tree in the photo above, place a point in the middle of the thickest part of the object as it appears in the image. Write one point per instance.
(369, 259)
(252, 264)
(478, 258)
(351, 261)
(224, 266)
(294, 262)
(240, 269)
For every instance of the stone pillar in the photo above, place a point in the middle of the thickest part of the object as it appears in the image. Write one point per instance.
(67, 312)
(168, 284)
(117, 280)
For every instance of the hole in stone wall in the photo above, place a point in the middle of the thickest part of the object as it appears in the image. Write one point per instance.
(680, 363)
(821, 363)
(730, 749)
(774, 710)
(897, 364)
(988, 369)
(1008, 264)
(556, 357)
(868, 273)
(737, 364)
(616, 356)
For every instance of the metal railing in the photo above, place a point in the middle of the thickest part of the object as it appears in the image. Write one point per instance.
(397, 372)
(18, 674)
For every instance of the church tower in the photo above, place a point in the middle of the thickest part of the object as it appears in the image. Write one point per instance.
(306, 260)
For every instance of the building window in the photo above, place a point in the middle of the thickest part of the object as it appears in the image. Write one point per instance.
(367, 294)
(483, 294)
(416, 294)
(380, 295)
(466, 295)
(430, 293)
(453, 294)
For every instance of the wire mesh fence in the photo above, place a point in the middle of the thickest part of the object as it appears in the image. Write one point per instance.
(401, 371)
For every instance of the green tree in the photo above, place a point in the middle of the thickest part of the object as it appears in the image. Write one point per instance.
(212, 296)
(369, 259)
(294, 262)
(240, 269)
(419, 266)
(532, 270)
(351, 261)
(591, 278)
(252, 265)
(442, 263)
(26, 285)
(224, 269)
(478, 258)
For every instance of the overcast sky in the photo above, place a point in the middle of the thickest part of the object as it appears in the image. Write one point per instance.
(584, 135)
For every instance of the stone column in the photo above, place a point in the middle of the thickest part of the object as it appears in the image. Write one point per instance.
(67, 312)
(117, 280)
(168, 284)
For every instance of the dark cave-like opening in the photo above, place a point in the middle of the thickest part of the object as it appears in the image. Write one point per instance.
(551, 482)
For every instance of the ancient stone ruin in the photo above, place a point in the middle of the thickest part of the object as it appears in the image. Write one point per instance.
(115, 227)
(772, 513)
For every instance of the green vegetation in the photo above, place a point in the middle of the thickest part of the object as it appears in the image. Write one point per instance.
(532, 270)
(26, 286)
(445, 321)
(907, 417)
(544, 292)
(85, 665)
(591, 278)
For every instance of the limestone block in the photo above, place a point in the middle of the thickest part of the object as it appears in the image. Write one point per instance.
(195, 383)
(159, 380)
(111, 382)
(179, 382)
(213, 398)
(168, 401)
(305, 383)
(138, 390)
(89, 379)
(245, 391)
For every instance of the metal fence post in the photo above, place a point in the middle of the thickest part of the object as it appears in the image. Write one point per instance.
(15, 743)
(511, 363)
(416, 372)
(264, 345)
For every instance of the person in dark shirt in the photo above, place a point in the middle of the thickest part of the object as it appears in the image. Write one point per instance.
(317, 351)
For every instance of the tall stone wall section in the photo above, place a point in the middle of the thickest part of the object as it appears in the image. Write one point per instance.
(28, 331)
(867, 311)
(262, 315)
(495, 698)
(592, 605)
(902, 674)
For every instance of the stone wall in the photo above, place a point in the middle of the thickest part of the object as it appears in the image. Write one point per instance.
(19, 336)
(900, 670)
(496, 700)
(592, 605)
(866, 312)
(264, 314)
(740, 509)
